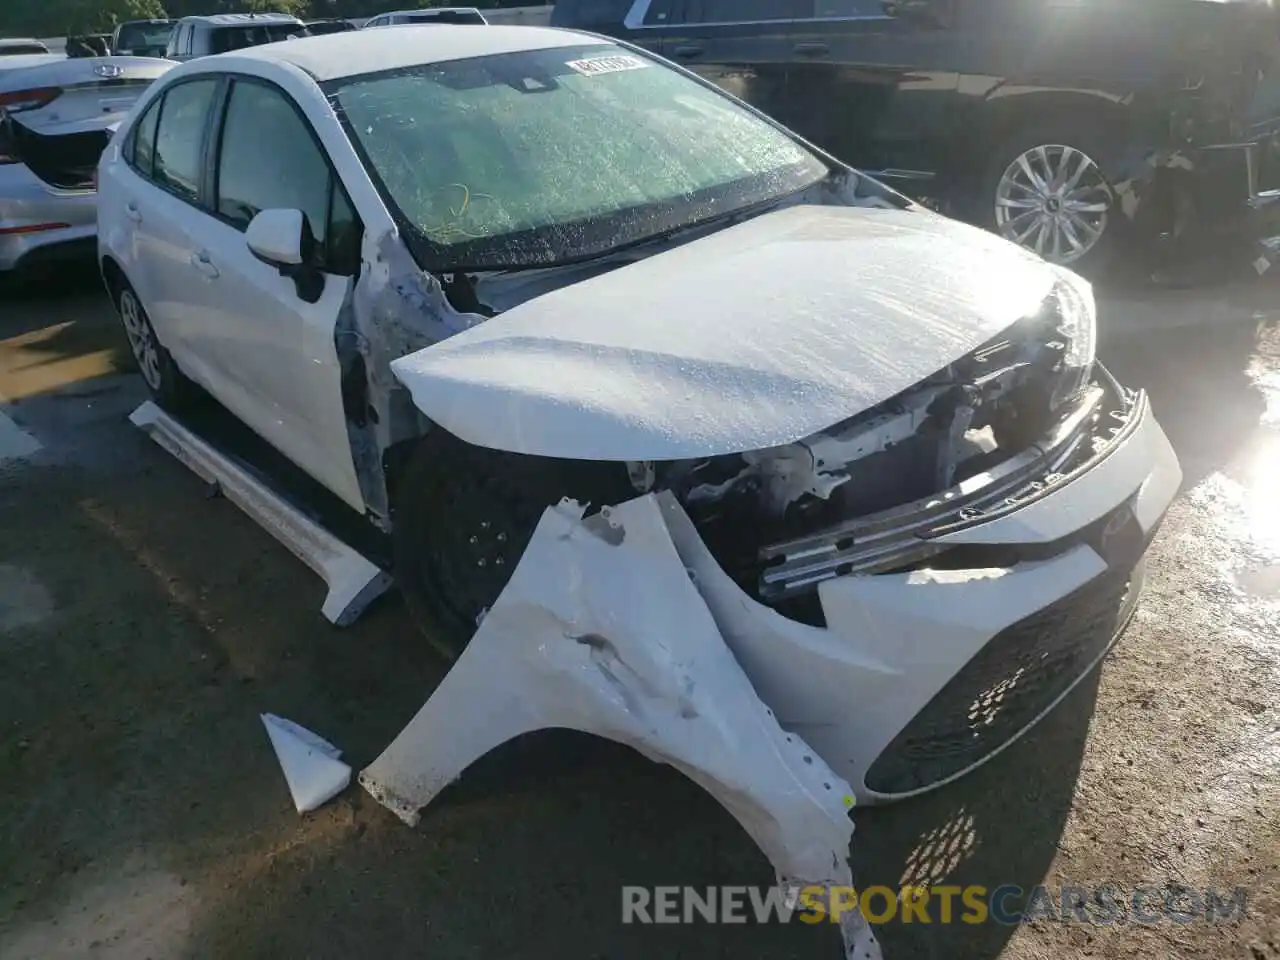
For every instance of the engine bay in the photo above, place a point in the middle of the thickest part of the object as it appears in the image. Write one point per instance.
(962, 424)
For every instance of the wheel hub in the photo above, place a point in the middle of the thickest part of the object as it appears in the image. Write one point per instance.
(1054, 200)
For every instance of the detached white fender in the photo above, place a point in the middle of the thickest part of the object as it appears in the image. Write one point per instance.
(602, 630)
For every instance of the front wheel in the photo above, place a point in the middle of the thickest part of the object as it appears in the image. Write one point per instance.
(1043, 190)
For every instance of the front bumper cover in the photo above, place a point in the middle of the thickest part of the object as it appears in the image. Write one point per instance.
(628, 628)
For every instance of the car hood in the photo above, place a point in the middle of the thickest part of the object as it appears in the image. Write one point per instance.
(755, 336)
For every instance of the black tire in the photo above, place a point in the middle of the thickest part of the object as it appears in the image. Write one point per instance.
(462, 519)
(1089, 139)
(165, 382)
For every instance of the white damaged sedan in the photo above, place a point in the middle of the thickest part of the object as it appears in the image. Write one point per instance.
(457, 276)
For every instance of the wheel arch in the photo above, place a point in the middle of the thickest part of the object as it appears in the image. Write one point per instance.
(113, 276)
(1010, 109)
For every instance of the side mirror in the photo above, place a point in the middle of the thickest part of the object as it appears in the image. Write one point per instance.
(276, 237)
(283, 239)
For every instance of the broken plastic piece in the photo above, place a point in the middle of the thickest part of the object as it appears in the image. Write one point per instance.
(310, 763)
(601, 630)
(353, 581)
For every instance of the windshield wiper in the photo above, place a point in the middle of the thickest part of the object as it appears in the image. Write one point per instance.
(721, 220)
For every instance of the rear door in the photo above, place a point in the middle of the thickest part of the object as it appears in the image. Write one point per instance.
(875, 83)
(163, 192)
(744, 46)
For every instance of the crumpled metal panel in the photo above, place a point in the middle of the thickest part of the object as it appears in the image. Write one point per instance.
(602, 630)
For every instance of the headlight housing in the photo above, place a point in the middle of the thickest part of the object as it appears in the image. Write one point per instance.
(1076, 316)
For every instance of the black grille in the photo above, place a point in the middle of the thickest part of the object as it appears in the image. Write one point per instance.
(1016, 676)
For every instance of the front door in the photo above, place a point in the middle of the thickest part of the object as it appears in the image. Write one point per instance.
(275, 356)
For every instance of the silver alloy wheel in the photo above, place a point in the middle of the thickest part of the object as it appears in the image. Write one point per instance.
(1054, 200)
(142, 339)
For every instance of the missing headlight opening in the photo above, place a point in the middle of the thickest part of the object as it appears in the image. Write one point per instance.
(1007, 421)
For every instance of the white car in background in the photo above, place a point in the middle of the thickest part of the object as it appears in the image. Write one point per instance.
(430, 15)
(15, 47)
(56, 117)
(456, 275)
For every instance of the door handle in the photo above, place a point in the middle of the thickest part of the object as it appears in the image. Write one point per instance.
(132, 212)
(688, 50)
(812, 48)
(202, 263)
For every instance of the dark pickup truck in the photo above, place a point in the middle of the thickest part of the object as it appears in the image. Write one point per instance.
(1073, 127)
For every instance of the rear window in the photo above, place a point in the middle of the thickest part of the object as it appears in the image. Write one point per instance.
(237, 38)
(20, 49)
(601, 15)
(446, 16)
(144, 36)
(329, 26)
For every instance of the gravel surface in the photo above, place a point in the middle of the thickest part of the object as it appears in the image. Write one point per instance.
(143, 628)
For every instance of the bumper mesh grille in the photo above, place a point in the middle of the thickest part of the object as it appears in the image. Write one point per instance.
(1012, 680)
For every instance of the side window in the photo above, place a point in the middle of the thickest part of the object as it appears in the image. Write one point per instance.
(188, 40)
(269, 159)
(660, 13)
(179, 154)
(345, 233)
(140, 148)
(836, 9)
(746, 11)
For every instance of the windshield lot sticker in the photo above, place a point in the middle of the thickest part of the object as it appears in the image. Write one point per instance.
(598, 65)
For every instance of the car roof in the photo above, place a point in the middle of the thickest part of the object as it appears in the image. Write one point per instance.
(241, 19)
(357, 52)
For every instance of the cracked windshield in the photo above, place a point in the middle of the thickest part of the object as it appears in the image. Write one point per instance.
(511, 154)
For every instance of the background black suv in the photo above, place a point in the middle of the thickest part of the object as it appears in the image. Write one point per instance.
(1068, 126)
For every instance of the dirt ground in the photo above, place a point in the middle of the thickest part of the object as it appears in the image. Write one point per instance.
(144, 627)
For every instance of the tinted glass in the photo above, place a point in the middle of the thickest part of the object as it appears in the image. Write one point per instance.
(745, 11)
(237, 38)
(661, 12)
(590, 14)
(528, 158)
(342, 248)
(140, 150)
(144, 36)
(849, 8)
(21, 49)
(456, 16)
(180, 137)
(269, 160)
(326, 27)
